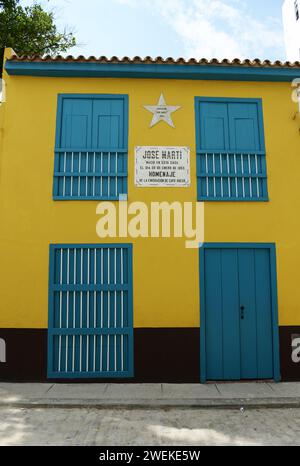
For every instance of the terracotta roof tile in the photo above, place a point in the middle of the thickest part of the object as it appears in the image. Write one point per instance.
(159, 60)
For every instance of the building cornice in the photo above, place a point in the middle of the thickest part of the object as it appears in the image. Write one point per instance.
(158, 68)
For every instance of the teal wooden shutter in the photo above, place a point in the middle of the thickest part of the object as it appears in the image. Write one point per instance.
(90, 332)
(76, 127)
(244, 131)
(108, 123)
(231, 159)
(214, 130)
(91, 147)
(109, 138)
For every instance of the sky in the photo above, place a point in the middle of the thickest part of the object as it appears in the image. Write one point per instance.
(172, 28)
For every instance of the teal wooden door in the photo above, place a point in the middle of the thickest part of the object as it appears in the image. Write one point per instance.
(238, 314)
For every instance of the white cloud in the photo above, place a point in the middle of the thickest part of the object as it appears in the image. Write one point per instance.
(129, 2)
(217, 28)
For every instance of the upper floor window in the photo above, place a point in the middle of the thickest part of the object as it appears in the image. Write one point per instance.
(297, 10)
(231, 162)
(91, 147)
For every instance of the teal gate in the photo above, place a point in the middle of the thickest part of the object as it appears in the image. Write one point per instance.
(90, 330)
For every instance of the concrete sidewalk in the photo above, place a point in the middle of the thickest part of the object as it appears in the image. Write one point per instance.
(225, 395)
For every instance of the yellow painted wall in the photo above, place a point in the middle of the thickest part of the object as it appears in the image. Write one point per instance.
(166, 278)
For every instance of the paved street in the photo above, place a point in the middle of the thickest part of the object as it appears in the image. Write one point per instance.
(153, 427)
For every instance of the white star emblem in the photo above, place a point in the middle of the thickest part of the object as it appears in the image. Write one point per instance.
(161, 112)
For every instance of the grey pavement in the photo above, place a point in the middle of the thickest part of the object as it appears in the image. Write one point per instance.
(221, 395)
(151, 427)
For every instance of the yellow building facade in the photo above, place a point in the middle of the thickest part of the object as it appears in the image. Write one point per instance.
(225, 310)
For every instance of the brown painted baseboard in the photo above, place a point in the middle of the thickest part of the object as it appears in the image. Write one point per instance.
(167, 355)
(161, 355)
(290, 371)
(26, 355)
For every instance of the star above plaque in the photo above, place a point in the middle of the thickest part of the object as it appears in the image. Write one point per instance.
(162, 112)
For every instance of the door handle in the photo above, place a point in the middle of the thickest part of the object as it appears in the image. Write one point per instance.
(242, 312)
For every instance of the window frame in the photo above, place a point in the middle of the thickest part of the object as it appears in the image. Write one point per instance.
(262, 151)
(58, 148)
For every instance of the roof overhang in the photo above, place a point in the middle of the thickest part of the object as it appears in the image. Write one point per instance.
(73, 69)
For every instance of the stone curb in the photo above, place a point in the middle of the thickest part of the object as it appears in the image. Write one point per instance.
(226, 403)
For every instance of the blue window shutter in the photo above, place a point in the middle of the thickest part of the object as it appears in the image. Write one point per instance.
(244, 127)
(108, 124)
(90, 331)
(76, 130)
(214, 131)
(91, 147)
(231, 159)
